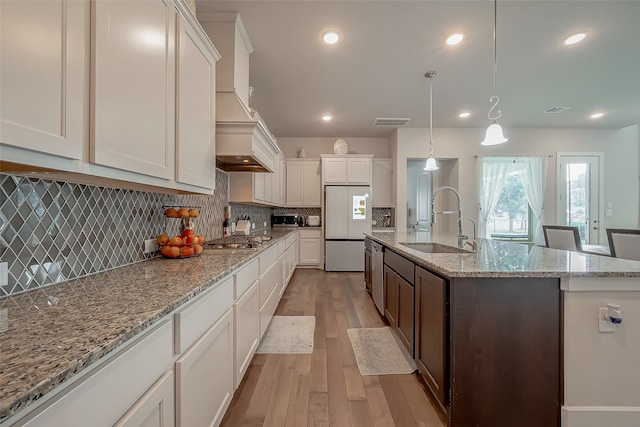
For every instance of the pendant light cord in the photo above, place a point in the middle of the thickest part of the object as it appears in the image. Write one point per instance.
(495, 37)
(495, 65)
(431, 114)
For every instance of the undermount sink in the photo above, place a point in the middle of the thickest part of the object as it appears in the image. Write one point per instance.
(433, 248)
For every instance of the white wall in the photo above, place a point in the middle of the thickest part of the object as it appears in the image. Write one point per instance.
(601, 370)
(621, 150)
(290, 146)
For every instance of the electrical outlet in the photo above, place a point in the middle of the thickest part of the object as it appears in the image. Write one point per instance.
(150, 245)
(4, 273)
(265, 224)
(253, 225)
(603, 324)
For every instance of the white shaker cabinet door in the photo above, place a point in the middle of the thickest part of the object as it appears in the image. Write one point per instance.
(246, 312)
(204, 377)
(44, 71)
(155, 408)
(294, 184)
(195, 119)
(311, 183)
(133, 86)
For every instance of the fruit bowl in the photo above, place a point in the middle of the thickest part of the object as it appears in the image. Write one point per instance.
(185, 246)
(180, 251)
(181, 211)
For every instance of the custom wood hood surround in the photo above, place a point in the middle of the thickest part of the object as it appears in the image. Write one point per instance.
(243, 141)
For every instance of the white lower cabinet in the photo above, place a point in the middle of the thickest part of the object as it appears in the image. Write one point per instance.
(103, 395)
(310, 247)
(204, 377)
(246, 318)
(184, 370)
(270, 286)
(155, 408)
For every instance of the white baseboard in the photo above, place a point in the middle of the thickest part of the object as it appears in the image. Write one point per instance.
(598, 416)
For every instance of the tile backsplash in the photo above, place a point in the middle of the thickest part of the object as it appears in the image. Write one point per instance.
(53, 231)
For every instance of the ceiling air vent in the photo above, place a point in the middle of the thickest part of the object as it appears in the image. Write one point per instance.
(554, 110)
(391, 122)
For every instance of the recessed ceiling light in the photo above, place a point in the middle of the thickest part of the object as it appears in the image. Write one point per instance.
(596, 115)
(331, 37)
(464, 115)
(578, 37)
(326, 118)
(454, 38)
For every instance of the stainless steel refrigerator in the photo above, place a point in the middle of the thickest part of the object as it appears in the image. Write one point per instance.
(347, 218)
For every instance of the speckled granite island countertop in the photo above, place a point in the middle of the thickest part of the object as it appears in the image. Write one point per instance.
(506, 259)
(55, 332)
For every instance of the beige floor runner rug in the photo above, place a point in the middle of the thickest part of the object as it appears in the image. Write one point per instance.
(378, 352)
(288, 335)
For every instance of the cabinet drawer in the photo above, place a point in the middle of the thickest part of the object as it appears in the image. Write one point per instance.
(310, 234)
(108, 392)
(246, 277)
(194, 320)
(401, 265)
(291, 239)
(267, 258)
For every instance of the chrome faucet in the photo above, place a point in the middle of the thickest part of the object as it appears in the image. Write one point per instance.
(474, 243)
(434, 212)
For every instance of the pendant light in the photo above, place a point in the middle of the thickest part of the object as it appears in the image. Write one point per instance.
(494, 134)
(431, 165)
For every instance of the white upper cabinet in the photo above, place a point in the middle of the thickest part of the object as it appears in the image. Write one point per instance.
(133, 102)
(263, 188)
(346, 169)
(44, 64)
(303, 183)
(381, 186)
(195, 118)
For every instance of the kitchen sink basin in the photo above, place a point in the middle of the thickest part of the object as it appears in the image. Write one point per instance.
(433, 248)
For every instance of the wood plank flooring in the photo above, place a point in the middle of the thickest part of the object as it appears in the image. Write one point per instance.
(325, 388)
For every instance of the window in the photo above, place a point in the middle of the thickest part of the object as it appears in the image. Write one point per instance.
(511, 218)
(512, 197)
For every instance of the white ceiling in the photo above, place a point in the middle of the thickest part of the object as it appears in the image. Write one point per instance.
(378, 68)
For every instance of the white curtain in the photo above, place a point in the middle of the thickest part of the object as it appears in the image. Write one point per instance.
(534, 179)
(493, 175)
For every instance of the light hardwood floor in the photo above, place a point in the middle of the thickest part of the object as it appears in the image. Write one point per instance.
(325, 388)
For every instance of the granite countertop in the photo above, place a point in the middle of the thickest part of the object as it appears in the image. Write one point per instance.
(50, 334)
(497, 258)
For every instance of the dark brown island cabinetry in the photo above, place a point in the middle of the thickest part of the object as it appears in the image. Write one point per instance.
(399, 297)
(505, 352)
(432, 333)
(488, 348)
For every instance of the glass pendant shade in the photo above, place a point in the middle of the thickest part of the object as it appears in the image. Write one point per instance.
(431, 164)
(494, 135)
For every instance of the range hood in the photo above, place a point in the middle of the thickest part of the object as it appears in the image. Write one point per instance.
(243, 141)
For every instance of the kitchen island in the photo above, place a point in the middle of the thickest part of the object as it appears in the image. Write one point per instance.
(509, 335)
(53, 337)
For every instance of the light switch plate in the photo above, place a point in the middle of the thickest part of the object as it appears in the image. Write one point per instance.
(150, 245)
(4, 273)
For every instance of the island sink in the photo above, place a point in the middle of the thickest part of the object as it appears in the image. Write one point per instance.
(434, 248)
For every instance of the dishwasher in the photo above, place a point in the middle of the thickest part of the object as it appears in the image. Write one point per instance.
(377, 275)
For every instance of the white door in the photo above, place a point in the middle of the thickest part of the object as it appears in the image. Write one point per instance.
(579, 194)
